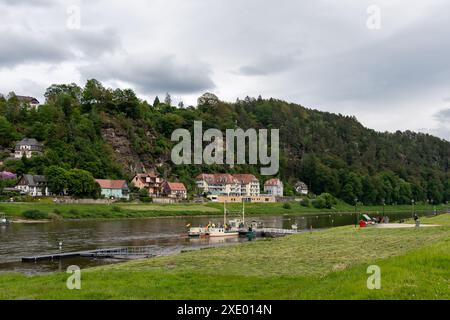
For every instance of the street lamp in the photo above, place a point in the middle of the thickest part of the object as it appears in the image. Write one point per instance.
(384, 206)
(413, 208)
(356, 209)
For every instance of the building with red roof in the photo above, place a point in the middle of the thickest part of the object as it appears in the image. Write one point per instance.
(174, 190)
(114, 189)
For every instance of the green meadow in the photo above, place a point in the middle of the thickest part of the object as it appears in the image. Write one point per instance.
(331, 264)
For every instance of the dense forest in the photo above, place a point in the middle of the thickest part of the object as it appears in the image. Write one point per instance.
(113, 134)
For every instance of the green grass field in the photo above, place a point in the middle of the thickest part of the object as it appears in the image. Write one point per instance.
(128, 210)
(331, 264)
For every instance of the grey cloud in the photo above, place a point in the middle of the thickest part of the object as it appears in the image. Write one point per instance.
(28, 47)
(153, 75)
(33, 3)
(268, 65)
(409, 63)
(443, 119)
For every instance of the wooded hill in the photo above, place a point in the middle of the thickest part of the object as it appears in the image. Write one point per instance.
(113, 134)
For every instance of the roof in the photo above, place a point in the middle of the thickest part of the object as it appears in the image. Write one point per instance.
(28, 142)
(112, 184)
(273, 182)
(301, 184)
(32, 181)
(245, 178)
(217, 178)
(176, 186)
(26, 99)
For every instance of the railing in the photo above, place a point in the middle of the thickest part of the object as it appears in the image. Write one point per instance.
(125, 251)
(277, 231)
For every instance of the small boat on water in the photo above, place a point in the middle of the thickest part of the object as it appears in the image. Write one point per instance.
(222, 232)
(230, 228)
(4, 220)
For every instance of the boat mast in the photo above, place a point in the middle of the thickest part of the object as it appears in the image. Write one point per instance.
(243, 211)
(224, 213)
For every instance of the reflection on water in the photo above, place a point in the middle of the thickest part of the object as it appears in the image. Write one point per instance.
(163, 235)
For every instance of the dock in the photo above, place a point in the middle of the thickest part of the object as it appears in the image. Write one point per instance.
(274, 232)
(100, 253)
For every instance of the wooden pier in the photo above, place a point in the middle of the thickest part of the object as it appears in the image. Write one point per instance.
(100, 253)
(274, 232)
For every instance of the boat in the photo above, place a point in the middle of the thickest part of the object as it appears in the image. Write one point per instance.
(3, 220)
(221, 232)
(227, 230)
(197, 232)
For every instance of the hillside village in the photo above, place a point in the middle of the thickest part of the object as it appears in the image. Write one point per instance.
(215, 187)
(98, 143)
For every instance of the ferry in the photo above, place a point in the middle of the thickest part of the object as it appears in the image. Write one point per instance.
(229, 229)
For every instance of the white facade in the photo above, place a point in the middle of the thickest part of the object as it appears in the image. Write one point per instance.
(228, 185)
(274, 188)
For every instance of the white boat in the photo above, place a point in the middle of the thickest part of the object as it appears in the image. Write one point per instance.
(197, 232)
(3, 220)
(221, 232)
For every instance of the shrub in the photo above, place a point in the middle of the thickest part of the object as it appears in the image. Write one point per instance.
(116, 209)
(74, 212)
(305, 203)
(319, 203)
(287, 206)
(35, 215)
(57, 211)
(324, 201)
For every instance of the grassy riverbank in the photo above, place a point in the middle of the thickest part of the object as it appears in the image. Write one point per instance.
(128, 210)
(415, 264)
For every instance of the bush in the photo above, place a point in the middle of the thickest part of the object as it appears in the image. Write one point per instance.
(324, 201)
(74, 212)
(287, 206)
(319, 203)
(57, 211)
(305, 203)
(116, 209)
(35, 215)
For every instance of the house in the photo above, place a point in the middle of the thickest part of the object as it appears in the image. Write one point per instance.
(35, 186)
(114, 189)
(28, 101)
(174, 190)
(150, 181)
(246, 199)
(5, 175)
(249, 184)
(218, 184)
(222, 184)
(301, 188)
(28, 148)
(274, 187)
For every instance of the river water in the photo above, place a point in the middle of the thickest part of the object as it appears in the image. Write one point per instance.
(164, 236)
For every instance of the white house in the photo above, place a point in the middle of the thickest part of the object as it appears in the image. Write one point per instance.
(274, 187)
(301, 188)
(28, 148)
(29, 101)
(35, 186)
(218, 184)
(250, 186)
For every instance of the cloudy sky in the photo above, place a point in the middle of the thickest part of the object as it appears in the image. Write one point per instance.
(386, 62)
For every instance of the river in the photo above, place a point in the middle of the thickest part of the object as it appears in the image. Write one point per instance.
(164, 236)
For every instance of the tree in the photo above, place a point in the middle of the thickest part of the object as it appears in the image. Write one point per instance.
(168, 100)
(70, 90)
(81, 183)
(156, 103)
(58, 179)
